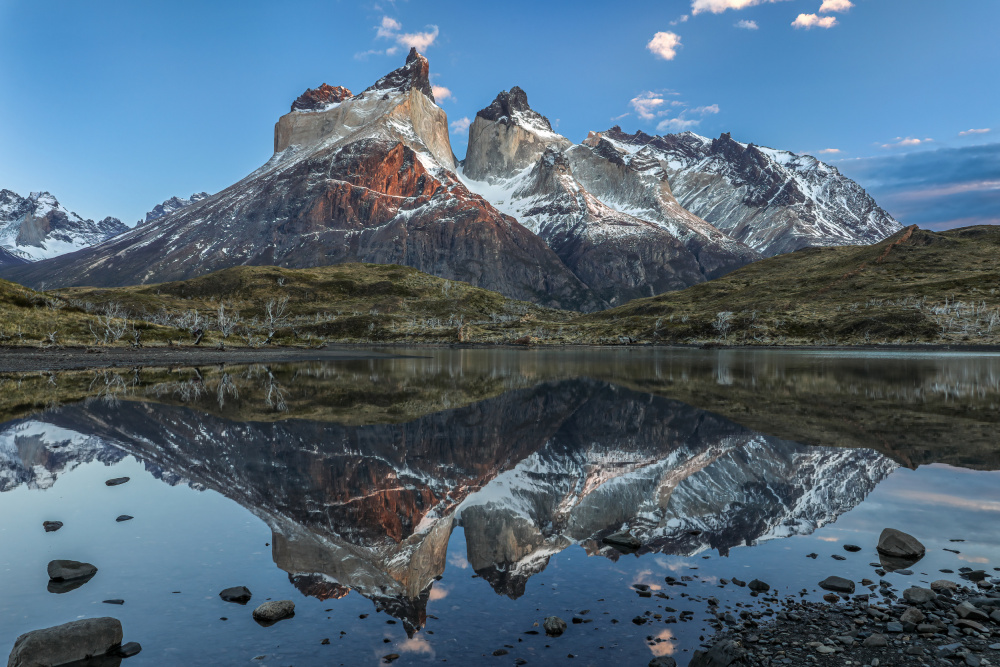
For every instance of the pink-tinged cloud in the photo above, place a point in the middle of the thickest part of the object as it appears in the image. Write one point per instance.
(664, 45)
(388, 28)
(829, 151)
(440, 93)
(835, 6)
(901, 142)
(460, 126)
(810, 21)
(419, 40)
(719, 6)
(645, 104)
(949, 190)
(969, 133)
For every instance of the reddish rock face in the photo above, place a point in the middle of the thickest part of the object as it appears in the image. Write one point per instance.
(317, 98)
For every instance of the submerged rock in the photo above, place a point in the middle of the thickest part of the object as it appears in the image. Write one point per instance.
(124, 517)
(65, 570)
(759, 586)
(554, 626)
(61, 644)
(117, 481)
(274, 611)
(837, 584)
(52, 526)
(238, 594)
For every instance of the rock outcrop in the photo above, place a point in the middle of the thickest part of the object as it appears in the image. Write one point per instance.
(171, 205)
(321, 99)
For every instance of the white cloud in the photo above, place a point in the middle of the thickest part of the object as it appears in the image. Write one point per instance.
(460, 126)
(966, 133)
(835, 6)
(664, 45)
(829, 151)
(719, 6)
(712, 108)
(676, 124)
(683, 19)
(809, 21)
(747, 25)
(627, 113)
(388, 28)
(419, 40)
(441, 93)
(900, 142)
(646, 104)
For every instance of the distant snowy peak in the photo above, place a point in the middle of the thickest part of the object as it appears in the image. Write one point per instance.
(321, 99)
(39, 227)
(171, 205)
(773, 200)
(413, 75)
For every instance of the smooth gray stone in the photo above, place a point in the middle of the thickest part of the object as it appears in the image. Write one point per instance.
(273, 611)
(66, 643)
(64, 570)
(897, 544)
(837, 584)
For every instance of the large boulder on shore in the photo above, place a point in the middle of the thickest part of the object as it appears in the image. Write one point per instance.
(66, 643)
(897, 544)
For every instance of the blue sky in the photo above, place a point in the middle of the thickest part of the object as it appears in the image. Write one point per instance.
(114, 106)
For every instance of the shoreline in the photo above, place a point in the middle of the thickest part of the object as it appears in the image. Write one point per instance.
(33, 359)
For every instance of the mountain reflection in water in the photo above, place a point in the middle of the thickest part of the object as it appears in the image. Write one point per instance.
(363, 471)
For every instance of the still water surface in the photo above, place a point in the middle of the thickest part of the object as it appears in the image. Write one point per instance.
(438, 506)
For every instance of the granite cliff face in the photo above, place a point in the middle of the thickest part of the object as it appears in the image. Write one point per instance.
(365, 179)
(38, 227)
(772, 200)
(525, 474)
(618, 228)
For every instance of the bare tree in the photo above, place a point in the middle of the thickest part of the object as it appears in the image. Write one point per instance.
(274, 315)
(723, 323)
(112, 323)
(226, 322)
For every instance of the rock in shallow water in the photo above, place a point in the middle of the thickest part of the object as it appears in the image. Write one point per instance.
(554, 626)
(117, 481)
(759, 586)
(274, 611)
(897, 544)
(52, 526)
(723, 654)
(66, 643)
(65, 570)
(238, 594)
(124, 517)
(837, 584)
(662, 661)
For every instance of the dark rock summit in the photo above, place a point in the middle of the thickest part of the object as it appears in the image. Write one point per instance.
(414, 75)
(508, 104)
(319, 98)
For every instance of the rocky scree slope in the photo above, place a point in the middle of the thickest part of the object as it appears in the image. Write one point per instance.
(368, 178)
(772, 200)
(38, 227)
(618, 228)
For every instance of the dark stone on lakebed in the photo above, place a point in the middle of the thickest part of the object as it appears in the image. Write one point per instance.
(124, 517)
(117, 481)
(238, 594)
(52, 526)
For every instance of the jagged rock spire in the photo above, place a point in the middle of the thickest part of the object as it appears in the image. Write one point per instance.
(318, 98)
(509, 102)
(414, 74)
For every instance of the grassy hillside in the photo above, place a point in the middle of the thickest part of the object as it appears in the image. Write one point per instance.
(915, 287)
(254, 306)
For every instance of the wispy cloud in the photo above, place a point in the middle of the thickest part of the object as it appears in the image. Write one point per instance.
(682, 19)
(969, 133)
(676, 124)
(441, 93)
(907, 142)
(711, 108)
(627, 113)
(747, 25)
(646, 104)
(391, 29)
(809, 21)
(835, 6)
(719, 6)
(829, 151)
(460, 126)
(664, 45)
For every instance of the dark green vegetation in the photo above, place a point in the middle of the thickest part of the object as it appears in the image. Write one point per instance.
(254, 306)
(918, 287)
(914, 287)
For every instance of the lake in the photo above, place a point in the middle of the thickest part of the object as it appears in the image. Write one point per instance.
(438, 505)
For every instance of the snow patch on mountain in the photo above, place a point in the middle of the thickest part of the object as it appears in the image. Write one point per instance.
(38, 227)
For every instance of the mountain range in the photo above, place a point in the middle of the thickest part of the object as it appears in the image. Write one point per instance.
(371, 177)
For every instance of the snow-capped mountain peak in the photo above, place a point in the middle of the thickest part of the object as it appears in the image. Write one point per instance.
(39, 227)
